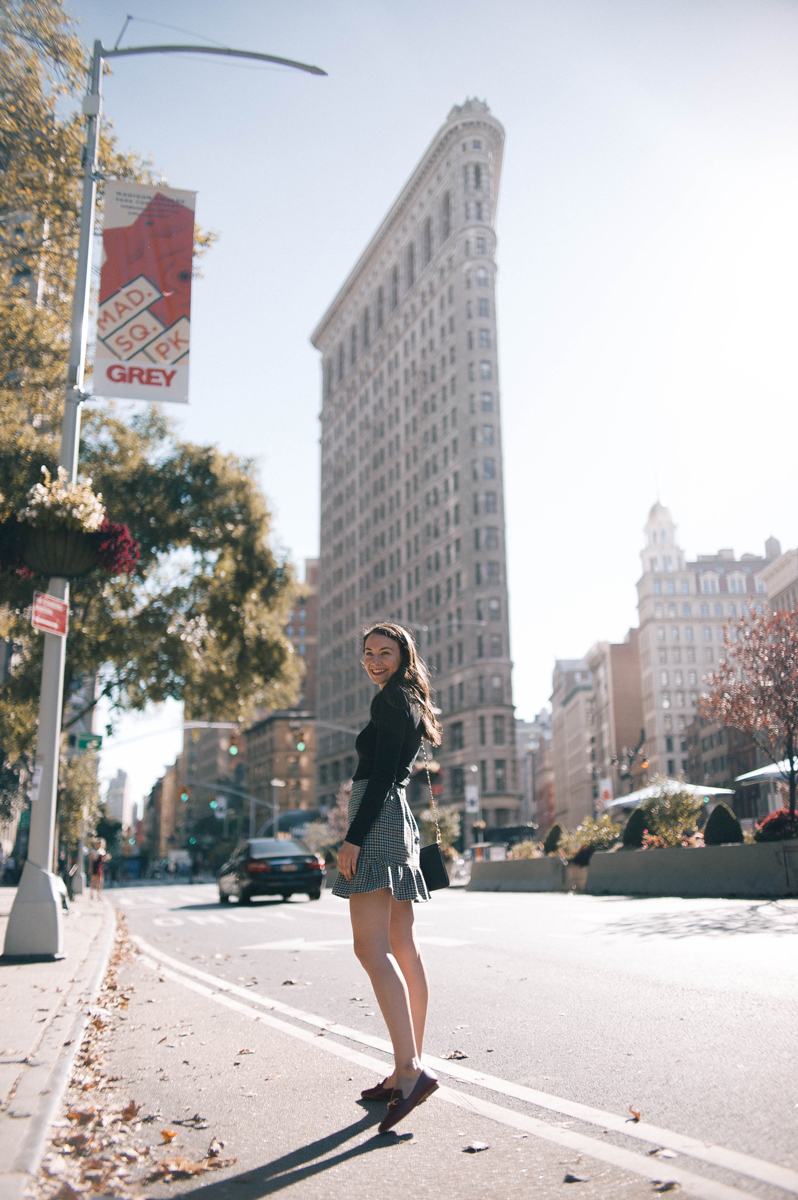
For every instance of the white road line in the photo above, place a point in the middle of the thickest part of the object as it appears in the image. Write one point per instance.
(324, 944)
(637, 1164)
(743, 1164)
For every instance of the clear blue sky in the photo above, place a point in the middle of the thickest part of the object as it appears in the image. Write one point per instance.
(647, 254)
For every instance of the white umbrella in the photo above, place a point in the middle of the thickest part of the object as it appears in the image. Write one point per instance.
(667, 785)
(781, 769)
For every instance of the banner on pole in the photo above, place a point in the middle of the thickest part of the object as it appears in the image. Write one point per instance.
(144, 314)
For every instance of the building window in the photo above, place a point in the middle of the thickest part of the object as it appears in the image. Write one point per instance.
(482, 307)
(482, 277)
(366, 329)
(490, 468)
(666, 700)
(660, 633)
(707, 633)
(394, 288)
(446, 216)
(352, 346)
(495, 645)
(411, 264)
(427, 242)
(457, 777)
(688, 633)
(500, 774)
(497, 689)
(494, 573)
(380, 306)
(657, 587)
(487, 402)
(485, 369)
(484, 339)
(494, 610)
(498, 730)
(487, 435)
(456, 734)
(340, 362)
(663, 678)
(657, 610)
(491, 505)
(480, 240)
(482, 738)
(492, 538)
(686, 610)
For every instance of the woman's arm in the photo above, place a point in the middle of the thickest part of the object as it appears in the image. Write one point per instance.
(391, 725)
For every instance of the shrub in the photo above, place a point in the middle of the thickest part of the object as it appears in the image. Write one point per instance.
(449, 821)
(722, 827)
(635, 828)
(527, 849)
(553, 838)
(776, 827)
(670, 816)
(578, 847)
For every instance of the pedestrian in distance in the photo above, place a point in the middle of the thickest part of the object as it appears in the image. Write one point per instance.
(378, 862)
(97, 861)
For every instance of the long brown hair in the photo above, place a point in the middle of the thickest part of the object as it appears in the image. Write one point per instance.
(411, 676)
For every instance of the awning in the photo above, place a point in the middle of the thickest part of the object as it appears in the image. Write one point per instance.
(774, 771)
(669, 785)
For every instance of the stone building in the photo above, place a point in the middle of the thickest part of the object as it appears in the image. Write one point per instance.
(573, 742)
(119, 800)
(412, 507)
(282, 746)
(617, 714)
(536, 771)
(781, 581)
(683, 607)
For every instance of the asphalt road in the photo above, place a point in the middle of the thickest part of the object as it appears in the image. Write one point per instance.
(681, 1010)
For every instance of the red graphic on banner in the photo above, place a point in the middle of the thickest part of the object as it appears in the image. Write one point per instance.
(158, 245)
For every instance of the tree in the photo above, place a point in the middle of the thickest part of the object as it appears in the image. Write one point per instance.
(201, 618)
(449, 822)
(78, 797)
(755, 689)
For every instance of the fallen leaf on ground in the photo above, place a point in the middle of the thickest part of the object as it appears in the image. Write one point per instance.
(130, 1111)
(246, 1052)
(69, 1041)
(635, 1114)
(455, 1054)
(670, 1185)
(475, 1147)
(215, 1148)
(289, 982)
(569, 1178)
(168, 1135)
(67, 1192)
(82, 1116)
(163, 1039)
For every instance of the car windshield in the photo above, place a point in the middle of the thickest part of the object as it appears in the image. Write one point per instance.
(276, 847)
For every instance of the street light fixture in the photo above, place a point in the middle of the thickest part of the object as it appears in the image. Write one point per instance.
(34, 923)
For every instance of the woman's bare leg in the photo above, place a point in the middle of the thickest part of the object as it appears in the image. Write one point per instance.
(408, 955)
(370, 913)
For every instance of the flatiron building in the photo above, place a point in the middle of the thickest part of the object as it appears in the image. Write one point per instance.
(412, 506)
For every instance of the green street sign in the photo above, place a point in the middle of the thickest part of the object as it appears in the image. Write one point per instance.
(90, 741)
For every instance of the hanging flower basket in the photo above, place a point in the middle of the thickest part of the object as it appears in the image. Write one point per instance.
(66, 553)
(64, 532)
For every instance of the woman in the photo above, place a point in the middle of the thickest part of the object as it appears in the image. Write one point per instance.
(378, 861)
(97, 860)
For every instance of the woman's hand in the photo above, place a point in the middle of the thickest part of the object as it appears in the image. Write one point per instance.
(347, 860)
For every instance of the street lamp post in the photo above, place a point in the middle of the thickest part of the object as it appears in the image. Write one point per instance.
(34, 923)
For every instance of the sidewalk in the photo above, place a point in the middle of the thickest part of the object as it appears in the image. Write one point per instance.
(43, 1011)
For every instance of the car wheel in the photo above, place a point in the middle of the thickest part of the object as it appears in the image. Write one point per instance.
(314, 895)
(223, 897)
(244, 898)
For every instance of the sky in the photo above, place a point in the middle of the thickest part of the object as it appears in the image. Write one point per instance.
(647, 253)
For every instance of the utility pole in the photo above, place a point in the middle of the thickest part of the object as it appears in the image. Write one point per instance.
(34, 925)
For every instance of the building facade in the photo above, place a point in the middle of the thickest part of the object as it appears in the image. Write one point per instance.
(282, 746)
(683, 607)
(536, 771)
(412, 508)
(573, 742)
(617, 714)
(119, 799)
(781, 581)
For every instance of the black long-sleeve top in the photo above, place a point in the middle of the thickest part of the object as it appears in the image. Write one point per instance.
(386, 749)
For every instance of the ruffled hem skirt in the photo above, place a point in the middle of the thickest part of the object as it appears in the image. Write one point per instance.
(389, 856)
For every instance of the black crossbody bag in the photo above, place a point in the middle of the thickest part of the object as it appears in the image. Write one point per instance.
(431, 860)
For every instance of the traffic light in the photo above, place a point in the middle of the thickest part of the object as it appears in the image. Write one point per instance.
(300, 741)
(233, 747)
(185, 795)
(644, 764)
(214, 803)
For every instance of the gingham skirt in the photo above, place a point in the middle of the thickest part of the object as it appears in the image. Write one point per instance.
(389, 854)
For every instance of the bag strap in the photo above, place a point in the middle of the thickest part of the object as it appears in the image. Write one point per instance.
(431, 797)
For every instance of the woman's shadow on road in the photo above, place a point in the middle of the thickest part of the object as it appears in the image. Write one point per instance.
(299, 1164)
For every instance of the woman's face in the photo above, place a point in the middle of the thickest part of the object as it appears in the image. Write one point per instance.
(381, 658)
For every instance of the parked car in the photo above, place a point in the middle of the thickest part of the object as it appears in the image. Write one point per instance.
(271, 867)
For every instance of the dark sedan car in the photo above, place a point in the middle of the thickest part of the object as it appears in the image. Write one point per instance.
(271, 867)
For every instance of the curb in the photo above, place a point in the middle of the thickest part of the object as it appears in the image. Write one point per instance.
(51, 1089)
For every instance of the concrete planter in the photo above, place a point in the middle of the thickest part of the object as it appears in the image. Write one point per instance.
(764, 869)
(519, 875)
(576, 878)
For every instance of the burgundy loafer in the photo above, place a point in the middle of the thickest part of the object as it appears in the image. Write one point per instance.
(378, 1092)
(399, 1105)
